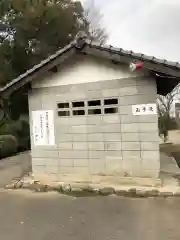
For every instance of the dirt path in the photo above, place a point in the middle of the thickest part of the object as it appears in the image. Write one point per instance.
(14, 167)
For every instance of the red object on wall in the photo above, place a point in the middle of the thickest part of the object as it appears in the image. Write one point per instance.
(137, 65)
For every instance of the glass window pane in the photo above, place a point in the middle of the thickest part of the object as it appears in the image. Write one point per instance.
(63, 113)
(110, 110)
(78, 104)
(94, 103)
(78, 112)
(94, 111)
(63, 105)
(111, 101)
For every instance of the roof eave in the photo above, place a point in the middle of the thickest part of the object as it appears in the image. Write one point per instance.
(83, 45)
(33, 73)
(118, 56)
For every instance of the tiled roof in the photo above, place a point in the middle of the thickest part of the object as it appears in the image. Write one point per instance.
(132, 54)
(84, 45)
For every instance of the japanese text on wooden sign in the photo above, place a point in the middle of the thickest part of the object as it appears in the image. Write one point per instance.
(43, 128)
(144, 109)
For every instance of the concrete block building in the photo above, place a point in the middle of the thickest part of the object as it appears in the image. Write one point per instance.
(91, 116)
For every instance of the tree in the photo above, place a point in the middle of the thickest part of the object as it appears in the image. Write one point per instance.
(94, 19)
(34, 29)
(164, 106)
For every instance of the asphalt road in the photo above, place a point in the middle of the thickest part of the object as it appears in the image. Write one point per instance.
(49, 216)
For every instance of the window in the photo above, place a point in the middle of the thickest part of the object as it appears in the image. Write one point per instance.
(110, 110)
(63, 105)
(63, 113)
(94, 103)
(90, 107)
(94, 111)
(111, 101)
(78, 112)
(78, 104)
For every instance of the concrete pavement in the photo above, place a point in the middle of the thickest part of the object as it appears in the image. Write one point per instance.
(26, 216)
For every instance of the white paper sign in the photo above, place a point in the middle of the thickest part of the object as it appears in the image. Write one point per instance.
(144, 109)
(43, 128)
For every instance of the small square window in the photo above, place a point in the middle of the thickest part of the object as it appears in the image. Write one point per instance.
(94, 103)
(111, 101)
(64, 113)
(110, 110)
(94, 111)
(78, 112)
(78, 104)
(63, 105)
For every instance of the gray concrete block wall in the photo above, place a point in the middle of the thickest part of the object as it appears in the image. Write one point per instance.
(113, 144)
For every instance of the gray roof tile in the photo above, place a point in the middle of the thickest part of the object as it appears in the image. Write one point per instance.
(79, 44)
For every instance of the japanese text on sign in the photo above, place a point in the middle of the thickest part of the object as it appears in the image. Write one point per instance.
(43, 128)
(144, 109)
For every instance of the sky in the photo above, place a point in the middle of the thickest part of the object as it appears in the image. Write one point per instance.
(151, 27)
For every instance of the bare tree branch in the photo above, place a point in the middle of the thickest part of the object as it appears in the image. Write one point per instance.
(94, 18)
(165, 103)
(164, 107)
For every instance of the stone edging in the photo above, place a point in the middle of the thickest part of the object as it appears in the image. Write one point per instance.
(88, 190)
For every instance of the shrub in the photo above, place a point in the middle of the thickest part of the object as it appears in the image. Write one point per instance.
(20, 130)
(8, 145)
(24, 136)
(10, 127)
